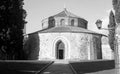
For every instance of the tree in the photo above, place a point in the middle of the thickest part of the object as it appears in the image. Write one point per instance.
(12, 20)
(116, 6)
(111, 35)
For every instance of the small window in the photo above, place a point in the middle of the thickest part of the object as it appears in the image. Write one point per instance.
(42, 24)
(62, 22)
(53, 22)
(72, 22)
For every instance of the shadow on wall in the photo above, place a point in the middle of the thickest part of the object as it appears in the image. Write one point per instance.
(31, 47)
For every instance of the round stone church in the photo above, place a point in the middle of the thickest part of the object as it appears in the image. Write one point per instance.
(65, 36)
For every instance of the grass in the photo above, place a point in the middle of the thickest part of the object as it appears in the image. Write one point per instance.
(33, 67)
(92, 66)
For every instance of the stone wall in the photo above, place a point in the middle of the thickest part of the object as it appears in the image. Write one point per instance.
(58, 21)
(107, 52)
(45, 23)
(82, 23)
(55, 21)
(78, 46)
(97, 46)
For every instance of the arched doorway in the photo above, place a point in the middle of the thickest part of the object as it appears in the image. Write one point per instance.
(60, 47)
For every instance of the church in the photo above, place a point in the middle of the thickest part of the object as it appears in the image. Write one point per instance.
(64, 36)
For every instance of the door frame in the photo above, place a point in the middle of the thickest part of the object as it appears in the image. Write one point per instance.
(58, 50)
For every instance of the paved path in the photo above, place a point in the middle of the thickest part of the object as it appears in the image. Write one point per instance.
(58, 68)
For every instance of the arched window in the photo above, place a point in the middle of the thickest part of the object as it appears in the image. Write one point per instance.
(72, 22)
(42, 24)
(53, 21)
(62, 22)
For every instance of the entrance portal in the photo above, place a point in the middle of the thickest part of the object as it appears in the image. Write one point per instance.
(60, 50)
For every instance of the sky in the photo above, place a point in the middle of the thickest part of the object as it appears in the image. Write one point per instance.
(91, 10)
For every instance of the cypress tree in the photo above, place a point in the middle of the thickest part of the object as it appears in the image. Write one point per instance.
(12, 20)
(111, 35)
(116, 6)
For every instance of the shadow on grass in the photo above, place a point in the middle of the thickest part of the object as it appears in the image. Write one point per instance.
(22, 67)
(15, 72)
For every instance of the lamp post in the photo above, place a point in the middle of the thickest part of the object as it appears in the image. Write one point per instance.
(117, 43)
(99, 25)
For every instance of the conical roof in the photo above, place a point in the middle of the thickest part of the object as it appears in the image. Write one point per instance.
(66, 13)
(71, 29)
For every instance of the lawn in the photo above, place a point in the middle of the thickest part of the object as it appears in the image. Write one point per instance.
(92, 66)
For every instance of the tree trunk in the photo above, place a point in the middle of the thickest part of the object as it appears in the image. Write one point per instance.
(117, 50)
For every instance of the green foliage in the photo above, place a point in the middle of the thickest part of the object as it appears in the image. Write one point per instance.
(111, 35)
(114, 2)
(12, 20)
(31, 47)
